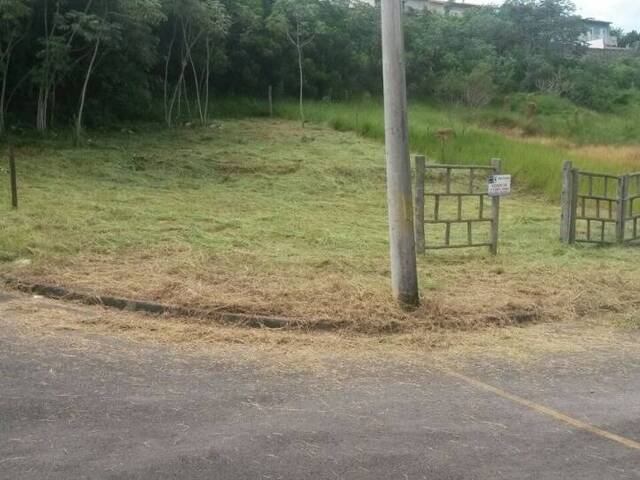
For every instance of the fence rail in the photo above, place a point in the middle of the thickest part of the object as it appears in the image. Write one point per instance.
(592, 203)
(455, 191)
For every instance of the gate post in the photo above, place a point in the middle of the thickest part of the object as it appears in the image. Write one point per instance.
(565, 201)
(574, 191)
(623, 193)
(419, 204)
(496, 163)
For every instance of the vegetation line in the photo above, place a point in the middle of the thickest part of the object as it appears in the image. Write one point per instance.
(95, 64)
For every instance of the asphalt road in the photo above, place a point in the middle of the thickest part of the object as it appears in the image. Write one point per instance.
(96, 406)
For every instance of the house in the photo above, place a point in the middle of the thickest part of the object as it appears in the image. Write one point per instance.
(598, 34)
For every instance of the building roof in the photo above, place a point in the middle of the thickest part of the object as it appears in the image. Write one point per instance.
(599, 22)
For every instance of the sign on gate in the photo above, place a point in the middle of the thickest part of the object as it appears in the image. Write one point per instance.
(499, 185)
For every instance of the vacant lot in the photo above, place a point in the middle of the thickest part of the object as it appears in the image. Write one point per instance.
(262, 216)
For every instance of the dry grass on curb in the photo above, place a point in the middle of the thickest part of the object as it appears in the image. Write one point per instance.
(328, 354)
(476, 295)
(219, 219)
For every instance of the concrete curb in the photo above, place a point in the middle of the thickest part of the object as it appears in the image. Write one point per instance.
(226, 318)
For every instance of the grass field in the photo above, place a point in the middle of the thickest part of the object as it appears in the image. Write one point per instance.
(262, 216)
(532, 149)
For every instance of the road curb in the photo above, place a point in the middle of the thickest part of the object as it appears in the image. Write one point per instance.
(153, 308)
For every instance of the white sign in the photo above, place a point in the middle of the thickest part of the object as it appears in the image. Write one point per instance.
(499, 185)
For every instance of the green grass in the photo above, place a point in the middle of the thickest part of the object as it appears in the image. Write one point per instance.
(534, 164)
(559, 118)
(263, 216)
(630, 321)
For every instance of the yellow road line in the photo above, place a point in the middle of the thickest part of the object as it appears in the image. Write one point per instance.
(561, 417)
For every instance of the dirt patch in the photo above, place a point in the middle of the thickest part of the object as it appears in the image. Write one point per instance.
(5, 297)
(228, 168)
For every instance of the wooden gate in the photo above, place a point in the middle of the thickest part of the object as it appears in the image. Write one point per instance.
(599, 208)
(631, 191)
(452, 204)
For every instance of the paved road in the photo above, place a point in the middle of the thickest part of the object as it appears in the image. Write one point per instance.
(92, 405)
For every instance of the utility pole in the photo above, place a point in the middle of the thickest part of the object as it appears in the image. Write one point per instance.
(404, 272)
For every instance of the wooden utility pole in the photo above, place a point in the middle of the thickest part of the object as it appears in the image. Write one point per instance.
(404, 274)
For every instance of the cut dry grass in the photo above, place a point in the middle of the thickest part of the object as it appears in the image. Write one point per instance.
(263, 217)
(330, 355)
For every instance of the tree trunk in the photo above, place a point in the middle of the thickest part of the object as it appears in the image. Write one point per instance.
(177, 94)
(196, 84)
(167, 113)
(206, 82)
(3, 94)
(43, 104)
(52, 108)
(43, 91)
(3, 90)
(83, 94)
(187, 102)
(301, 82)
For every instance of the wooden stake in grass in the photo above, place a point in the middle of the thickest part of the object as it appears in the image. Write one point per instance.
(14, 178)
(270, 101)
(444, 134)
(404, 275)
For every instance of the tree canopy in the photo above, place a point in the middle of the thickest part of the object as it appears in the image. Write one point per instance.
(92, 62)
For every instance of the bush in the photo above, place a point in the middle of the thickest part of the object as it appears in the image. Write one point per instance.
(476, 89)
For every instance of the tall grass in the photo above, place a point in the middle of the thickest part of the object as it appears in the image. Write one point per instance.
(535, 162)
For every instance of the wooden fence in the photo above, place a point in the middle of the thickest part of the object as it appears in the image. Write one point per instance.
(599, 208)
(438, 185)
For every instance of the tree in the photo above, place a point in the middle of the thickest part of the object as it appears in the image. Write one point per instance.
(254, 55)
(92, 62)
(542, 36)
(196, 24)
(13, 16)
(53, 60)
(299, 21)
(94, 30)
(629, 39)
(102, 28)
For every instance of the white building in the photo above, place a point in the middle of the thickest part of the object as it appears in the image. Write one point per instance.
(598, 35)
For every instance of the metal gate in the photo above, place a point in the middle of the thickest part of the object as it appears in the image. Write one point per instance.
(599, 208)
(456, 199)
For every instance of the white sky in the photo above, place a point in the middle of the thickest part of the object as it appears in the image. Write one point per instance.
(623, 13)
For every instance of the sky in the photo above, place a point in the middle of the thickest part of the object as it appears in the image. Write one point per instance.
(623, 13)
